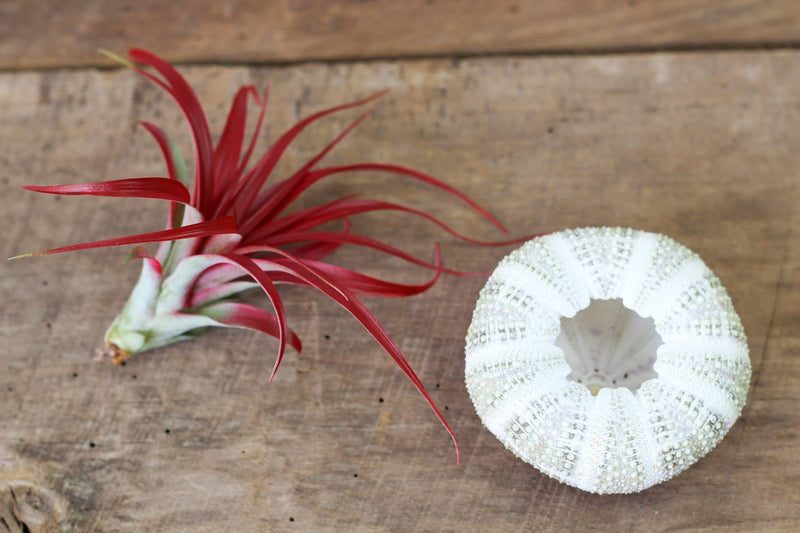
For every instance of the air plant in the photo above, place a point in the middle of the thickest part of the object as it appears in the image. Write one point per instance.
(232, 233)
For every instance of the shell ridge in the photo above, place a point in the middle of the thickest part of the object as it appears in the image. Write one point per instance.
(643, 253)
(613, 464)
(668, 260)
(601, 255)
(588, 463)
(716, 370)
(502, 300)
(564, 249)
(520, 353)
(501, 414)
(535, 265)
(686, 429)
(702, 310)
(549, 432)
(492, 376)
(668, 294)
(651, 460)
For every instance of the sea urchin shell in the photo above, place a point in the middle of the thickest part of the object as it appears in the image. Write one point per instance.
(609, 358)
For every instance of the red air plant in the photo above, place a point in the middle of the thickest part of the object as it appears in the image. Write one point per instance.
(231, 233)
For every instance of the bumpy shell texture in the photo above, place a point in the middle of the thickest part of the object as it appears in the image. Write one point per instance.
(610, 359)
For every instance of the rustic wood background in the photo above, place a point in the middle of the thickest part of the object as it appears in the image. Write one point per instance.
(678, 117)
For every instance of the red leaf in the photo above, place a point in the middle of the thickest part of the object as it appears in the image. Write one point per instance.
(346, 238)
(246, 157)
(247, 316)
(299, 271)
(163, 143)
(319, 250)
(203, 229)
(371, 324)
(347, 207)
(273, 204)
(229, 146)
(279, 225)
(172, 168)
(254, 271)
(184, 96)
(160, 188)
(318, 174)
(247, 190)
(365, 285)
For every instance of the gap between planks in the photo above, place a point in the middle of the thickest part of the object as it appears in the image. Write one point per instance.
(576, 53)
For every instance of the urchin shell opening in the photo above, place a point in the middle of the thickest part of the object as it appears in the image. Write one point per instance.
(609, 345)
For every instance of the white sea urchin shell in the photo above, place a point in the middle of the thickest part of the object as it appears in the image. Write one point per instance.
(565, 362)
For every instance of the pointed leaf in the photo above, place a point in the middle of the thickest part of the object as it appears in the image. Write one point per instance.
(318, 174)
(184, 96)
(229, 146)
(203, 229)
(336, 210)
(159, 188)
(358, 240)
(363, 285)
(176, 168)
(262, 102)
(319, 250)
(202, 297)
(371, 324)
(242, 198)
(247, 316)
(281, 224)
(268, 210)
(166, 149)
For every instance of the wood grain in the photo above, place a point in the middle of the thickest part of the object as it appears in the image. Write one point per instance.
(58, 33)
(702, 147)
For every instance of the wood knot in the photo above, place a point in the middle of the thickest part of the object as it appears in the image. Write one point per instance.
(26, 508)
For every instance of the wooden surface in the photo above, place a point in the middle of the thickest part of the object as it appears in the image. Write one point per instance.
(701, 146)
(56, 33)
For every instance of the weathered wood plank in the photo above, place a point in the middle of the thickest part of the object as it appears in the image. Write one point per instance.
(46, 34)
(701, 147)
